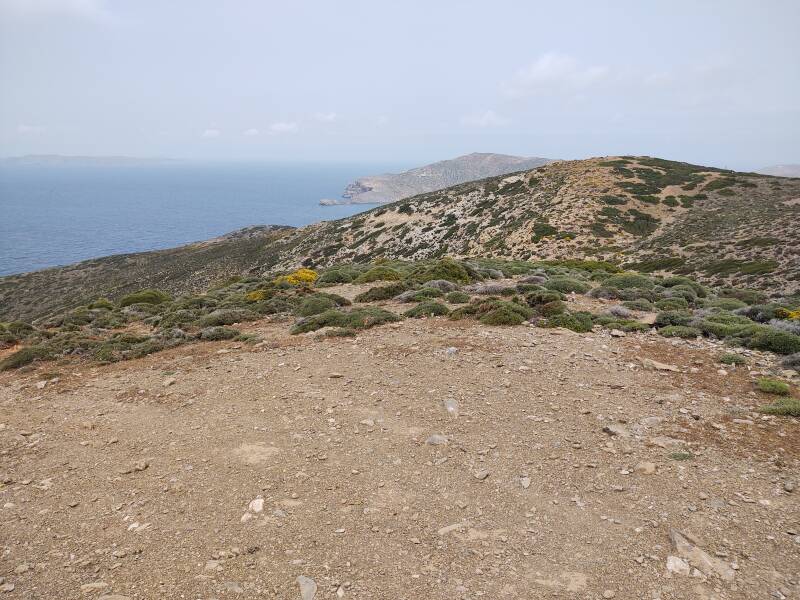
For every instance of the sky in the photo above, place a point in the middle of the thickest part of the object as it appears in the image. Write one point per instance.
(710, 82)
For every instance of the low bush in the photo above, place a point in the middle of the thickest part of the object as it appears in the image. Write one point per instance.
(792, 361)
(673, 317)
(550, 309)
(772, 386)
(446, 268)
(502, 316)
(457, 298)
(779, 342)
(732, 359)
(785, 407)
(379, 273)
(298, 277)
(640, 304)
(543, 297)
(226, 316)
(567, 285)
(333, 276)
(580, 322)
(102, 303)
(427, 309)
(382, 292)
(625, 281)
(727, 304)
(358, 318)
(22, 357)
(211, 334)
(144, 297)
(314, 305)
(679, 331)
(672, 304)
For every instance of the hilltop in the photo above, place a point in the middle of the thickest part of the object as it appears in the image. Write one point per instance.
(647, 214)
(380, 189)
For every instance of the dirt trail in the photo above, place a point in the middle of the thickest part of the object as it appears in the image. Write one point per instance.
(226, 471)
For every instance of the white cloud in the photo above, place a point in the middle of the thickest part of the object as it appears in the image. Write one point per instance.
(251, 132)
(328, 117)
(211, 133)
(554, 72)
(487, 118)
(94, 10)
(283, 127)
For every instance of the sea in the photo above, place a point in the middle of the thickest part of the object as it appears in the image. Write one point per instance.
(53, 215)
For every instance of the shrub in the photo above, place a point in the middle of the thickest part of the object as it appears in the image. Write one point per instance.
(441, 284)
(334, 276)
(256, 296)
(727, 303)
(226, 316)
(543, 297)
(427, 309)
(787, 326)
(772, 386)
(22, 357)
(566, 285)
(678, 280)
(746, 296)
(773, 340)
(792, 361)
(379, 273)
(732, 359)
(315, 305)
(679, 331)
(502, 316)
(619, 311)
(457, 298)
(211, 334)
(672, 304)
(580, 322)
(673, 317)
(148, 296)
(640, 304)
(359, 318)
(550, 309)
(786, 407)
(298, 277)
(628, 280)
(446, 268)
(382, 292)
(103, 303)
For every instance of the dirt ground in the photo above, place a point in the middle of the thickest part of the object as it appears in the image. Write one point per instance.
(561, 470)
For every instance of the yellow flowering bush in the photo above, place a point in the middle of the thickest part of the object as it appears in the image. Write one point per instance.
(794, 315)
(299, 277)
(255, 296)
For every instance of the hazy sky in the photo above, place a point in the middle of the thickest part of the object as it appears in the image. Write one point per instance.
(715, 82)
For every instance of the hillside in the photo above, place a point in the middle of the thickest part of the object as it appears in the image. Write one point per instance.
(396, 186)
(186, 269)
(781, 170)
(652, 215)
(655, 215)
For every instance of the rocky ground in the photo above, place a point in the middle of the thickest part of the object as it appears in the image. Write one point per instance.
(424, 459)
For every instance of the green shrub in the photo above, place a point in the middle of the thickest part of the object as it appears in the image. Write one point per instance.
(379, 273)
(732, 359)
(315, 305)
(679, 331)
(226, 316)
(211, 334)
(580, 322)
(774, 340)
(333, 276)
(427, 309)
(383, 292)
(543, 297)
(672, 304)
(673, 317)
(446, 268)
(773, 386)
(148, 296)
(640, 304)
(103, 303)
(567, 285)
(681, 456)
(22, 357)
(550, 309)
(746, 296)
(502, 316)
(628, 280)
(457, 298)
(359, 318)
(679, 280)
(424, 294)
(786, 407)
(727, 304)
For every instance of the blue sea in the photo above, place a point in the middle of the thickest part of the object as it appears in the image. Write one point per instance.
(56, 215)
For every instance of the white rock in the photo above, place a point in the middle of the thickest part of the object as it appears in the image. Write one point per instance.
(308, 587)
(256, 505)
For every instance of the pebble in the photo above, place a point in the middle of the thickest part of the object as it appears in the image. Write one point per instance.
(645, 468)
(608, 594)
(436, 440)
(788, 486)
(481, 474)
(308, 587)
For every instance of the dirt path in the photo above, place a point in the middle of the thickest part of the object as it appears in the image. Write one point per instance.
(221, 471)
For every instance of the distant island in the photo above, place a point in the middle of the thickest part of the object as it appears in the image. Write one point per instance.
(60, 160)
(389, 187)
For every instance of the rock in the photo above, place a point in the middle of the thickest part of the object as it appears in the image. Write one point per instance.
(788, 486)
(645, 468)
(617, 333)
(335, 375)
(450, 528)
(651, 364)
(232, 586)
(7, 587)
(699, 558)
(170, 381)
(608, 594)
(436, 439)
(40, 385)
(256, 505)
(23, 568)
(308, 587)
(481, 474)
(114, 597)
(677, 565)
(525, 482)
(451, 351)
(616, 430)
(88, 588)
